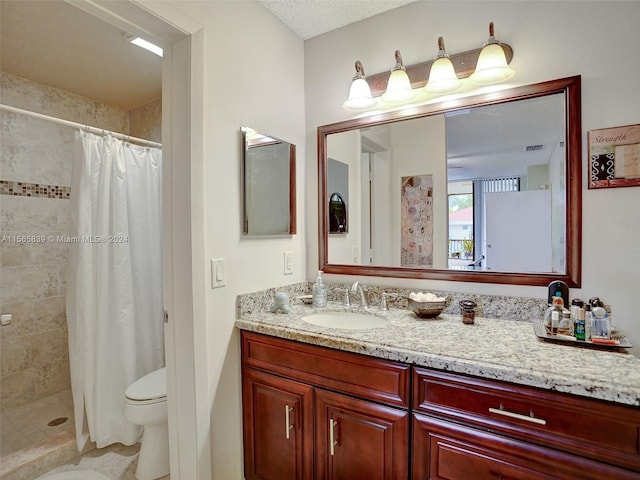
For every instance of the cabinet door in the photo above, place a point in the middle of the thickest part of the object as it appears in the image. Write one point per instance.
(357, 439)
(445, 450)
(278, 427)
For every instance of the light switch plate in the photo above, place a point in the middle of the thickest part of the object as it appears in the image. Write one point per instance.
(288, 263)
(218, 272)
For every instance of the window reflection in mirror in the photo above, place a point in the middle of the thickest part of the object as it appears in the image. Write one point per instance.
(508, 158)
(268, 181)
(461, 249)
(513, 155)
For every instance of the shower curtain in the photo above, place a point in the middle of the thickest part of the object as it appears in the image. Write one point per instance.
(114, 291)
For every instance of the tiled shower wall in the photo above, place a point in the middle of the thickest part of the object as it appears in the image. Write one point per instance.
(35, 175)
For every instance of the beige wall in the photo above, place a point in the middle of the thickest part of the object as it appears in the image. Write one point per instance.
(345, 147)
(146, 121)
(426, 135)
(253, 76)
(35, 361)
(549, 42)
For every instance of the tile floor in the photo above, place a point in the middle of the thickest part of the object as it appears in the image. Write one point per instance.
(26, 425)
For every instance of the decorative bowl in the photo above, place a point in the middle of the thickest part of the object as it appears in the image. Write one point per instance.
(426, 309)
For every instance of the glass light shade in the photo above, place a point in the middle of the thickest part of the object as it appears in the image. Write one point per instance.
(492, 66)
(442, 77)
(398, 88)
(359, 96)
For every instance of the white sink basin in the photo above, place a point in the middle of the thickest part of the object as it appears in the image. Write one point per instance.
(345, 320)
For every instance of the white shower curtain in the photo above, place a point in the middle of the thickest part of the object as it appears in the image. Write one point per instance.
(114, 291)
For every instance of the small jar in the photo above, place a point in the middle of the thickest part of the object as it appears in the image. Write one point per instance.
(468, 311)
(565, 326)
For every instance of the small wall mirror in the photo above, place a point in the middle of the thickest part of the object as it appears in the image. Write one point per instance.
(268, 185)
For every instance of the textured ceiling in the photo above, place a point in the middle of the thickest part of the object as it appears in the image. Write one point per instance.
(309, 18)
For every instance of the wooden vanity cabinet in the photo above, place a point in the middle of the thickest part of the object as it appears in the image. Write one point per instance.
(359, 439)
(350, 417)
(504, 431)
(359, 427)
(443, 450)
(278, 425)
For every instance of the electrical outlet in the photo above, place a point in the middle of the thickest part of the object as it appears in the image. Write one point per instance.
(218, 272)
(354, 254)
(288, 263)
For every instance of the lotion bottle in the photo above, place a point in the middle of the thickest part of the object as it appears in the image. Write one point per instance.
(319, 292)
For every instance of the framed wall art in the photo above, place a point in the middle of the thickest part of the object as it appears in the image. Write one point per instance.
(614, 157)
(416, 237)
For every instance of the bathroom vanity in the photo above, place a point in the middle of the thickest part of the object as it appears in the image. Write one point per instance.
(432, 399)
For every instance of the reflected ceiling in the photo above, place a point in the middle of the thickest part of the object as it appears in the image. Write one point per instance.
(522, 129)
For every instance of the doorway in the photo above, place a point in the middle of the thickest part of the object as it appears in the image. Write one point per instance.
(182, 40)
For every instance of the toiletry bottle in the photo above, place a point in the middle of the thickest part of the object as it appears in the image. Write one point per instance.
(319, 292)
(588, 322)
(576, 304)
(600, 322)
(556, 313)
(578, 327)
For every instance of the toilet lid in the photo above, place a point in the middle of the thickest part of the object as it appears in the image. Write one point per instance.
(149, 387)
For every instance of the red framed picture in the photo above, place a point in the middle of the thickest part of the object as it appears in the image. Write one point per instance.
(614, 157)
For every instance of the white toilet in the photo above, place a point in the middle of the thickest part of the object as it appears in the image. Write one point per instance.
(145, 404)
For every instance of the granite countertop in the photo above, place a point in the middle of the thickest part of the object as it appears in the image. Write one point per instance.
(503, 350)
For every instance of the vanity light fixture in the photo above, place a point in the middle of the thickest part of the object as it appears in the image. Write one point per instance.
(398, 87)
(492, 64)
(442, 76)
(360, 93)
(439, 76)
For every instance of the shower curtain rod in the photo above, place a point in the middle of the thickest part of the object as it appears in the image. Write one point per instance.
(98, 131)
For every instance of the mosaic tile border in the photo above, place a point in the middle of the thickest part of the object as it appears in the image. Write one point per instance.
(25, 189)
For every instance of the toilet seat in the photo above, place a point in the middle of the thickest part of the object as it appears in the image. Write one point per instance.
(152, 388)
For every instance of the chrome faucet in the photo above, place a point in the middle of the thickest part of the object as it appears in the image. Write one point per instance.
(361, 290)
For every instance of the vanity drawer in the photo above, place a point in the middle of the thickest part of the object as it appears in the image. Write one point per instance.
(585, 427)
(366, 377)
(444, 450)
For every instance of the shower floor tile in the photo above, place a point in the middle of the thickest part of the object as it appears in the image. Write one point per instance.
(23, 426)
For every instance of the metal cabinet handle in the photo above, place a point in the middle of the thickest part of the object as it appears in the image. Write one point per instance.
(506, 413)
(332, 441)
(287, 420)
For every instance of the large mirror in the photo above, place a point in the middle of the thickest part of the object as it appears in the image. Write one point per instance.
(268, 185)
(481, 189)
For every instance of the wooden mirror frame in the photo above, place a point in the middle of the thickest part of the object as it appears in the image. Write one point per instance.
(571, 87)
(244, 187)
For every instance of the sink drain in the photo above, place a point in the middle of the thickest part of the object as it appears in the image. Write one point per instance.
(57, 421)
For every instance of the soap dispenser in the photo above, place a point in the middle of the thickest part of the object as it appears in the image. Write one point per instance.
(319, 292)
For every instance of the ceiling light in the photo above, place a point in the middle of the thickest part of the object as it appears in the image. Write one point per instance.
(146, 45)
(442, 77)
(492, 64)
(359, 94)
(398, 87)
